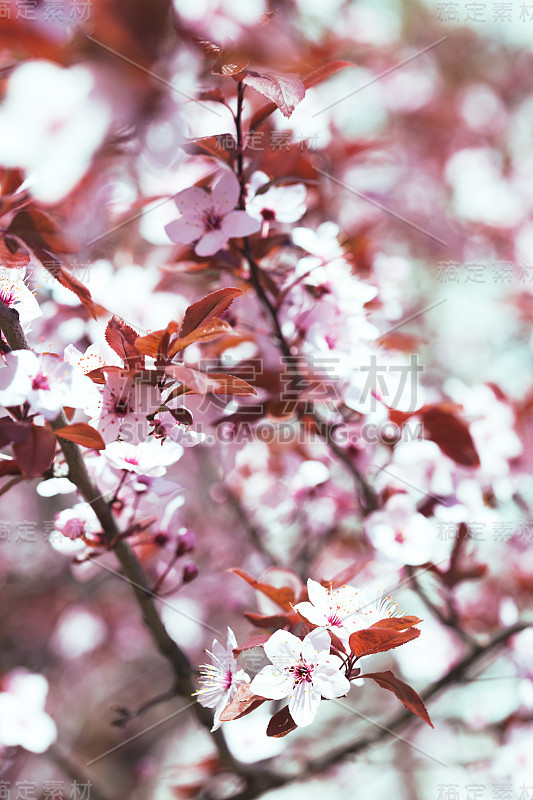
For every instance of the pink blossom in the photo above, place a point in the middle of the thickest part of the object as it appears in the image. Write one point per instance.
(78, 521)
(166, 426)
(400, 532)
(304, 671)
(23, 720)
(14, 293)
(51, 124)
(124, 408)
(343, 611)
(147, 458)
(276, 204)
(210, 218)
(220, 679)
(44, 381)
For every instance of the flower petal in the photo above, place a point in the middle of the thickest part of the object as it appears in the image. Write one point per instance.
(272, 683)
(225, 194)
(330, 681)
(311, 613)
(184, 230)
(318, 595)
(283, 649)
(193, 201)
(211, 243)
(304, 703)
(316, 643)
(239, 223)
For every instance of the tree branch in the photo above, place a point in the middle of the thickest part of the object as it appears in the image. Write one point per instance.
(133, 571)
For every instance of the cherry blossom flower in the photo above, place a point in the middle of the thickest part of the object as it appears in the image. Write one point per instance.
(220, 679)
(123, 409)
(400, 532)
(51, 124)
(343, 611)
(23, 720)
(166, 427)
(304, 671)
(147, 458)
(97, 356)
(77, 522)
(211, 218)
(44, 381)
(276, 204)
(14, 293)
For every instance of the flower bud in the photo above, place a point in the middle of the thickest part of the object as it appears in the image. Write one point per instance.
(186, 543)
(190, 573)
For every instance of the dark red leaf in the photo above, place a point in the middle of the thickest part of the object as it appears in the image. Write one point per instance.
(451, 434)
(243, 703)
(283, 596)
(82, 433)
(324, 72)
(254, 641)
(281, 724)
(271, 621)
(213, 305)
(204, 333)
(36, 452)
(38, 229)
(378, 640)
(9, 466)
(405, 693)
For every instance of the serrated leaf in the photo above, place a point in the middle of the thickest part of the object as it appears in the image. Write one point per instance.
(284, 89)
(213, 305)
(405, 693)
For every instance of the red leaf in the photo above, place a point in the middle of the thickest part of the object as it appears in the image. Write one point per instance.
(36, 452)
(122, 339)
(283, 596)
(281, 724)
(451, 434)
(378, 640)
(254, 641)
(406, 694)
(204, 333)
(12, 257)
(324, 72)
(313, 79)
(38, 229)
(398, 623)
(271, 621)
(285, 90)
(9, 466)
(213, 305)
(229, 62)
(82, 433)
(243, 703)
(229, 384)
(155, 344)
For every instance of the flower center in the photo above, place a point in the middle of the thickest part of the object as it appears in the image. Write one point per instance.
(399, 537)
(335, 620)
(122, 407)
(302, 672)
(228, 680)
(8, 297)
(132, 460)
(40, 381)
(268, 215)
(212, 220)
